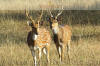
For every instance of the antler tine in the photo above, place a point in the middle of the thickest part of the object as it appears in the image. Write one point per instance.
(50, 13)
(59, 14)
(29, 17)
(40, 16)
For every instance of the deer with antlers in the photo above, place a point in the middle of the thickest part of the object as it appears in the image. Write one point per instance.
(38, 38)
(62, 36)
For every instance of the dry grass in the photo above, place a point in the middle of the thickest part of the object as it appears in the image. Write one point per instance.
(14, 51)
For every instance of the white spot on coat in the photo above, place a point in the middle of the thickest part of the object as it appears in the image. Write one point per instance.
(34, 37)
(55, 30)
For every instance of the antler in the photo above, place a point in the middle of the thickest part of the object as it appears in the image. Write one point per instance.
(40, 16)
(29, 17)
(58, 14)
(50, 13)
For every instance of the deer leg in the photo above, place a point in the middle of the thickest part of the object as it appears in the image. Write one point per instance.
(48, 54)
(58, 47)
(39, 55)
(34, 57)
(35, 60)
(59, 51)
(62, 52)
(68, 49)
(33, 54)
(44, 50)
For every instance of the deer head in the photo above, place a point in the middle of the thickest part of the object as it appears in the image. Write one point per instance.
(34, 24)
(53, 20)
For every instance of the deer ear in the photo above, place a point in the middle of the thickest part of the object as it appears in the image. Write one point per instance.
(29, 23)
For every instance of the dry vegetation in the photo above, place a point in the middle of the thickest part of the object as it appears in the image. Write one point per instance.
(85, 45)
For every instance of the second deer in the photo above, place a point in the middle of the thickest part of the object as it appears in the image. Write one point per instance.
(62, 36)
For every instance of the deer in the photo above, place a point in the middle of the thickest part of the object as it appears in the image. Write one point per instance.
(38, 38)
(61, 35)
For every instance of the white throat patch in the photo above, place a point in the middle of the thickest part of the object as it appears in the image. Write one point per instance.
(55, 30)
(34, 37)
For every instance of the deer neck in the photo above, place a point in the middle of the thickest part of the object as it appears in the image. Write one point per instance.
(34, 36)
(56, 30)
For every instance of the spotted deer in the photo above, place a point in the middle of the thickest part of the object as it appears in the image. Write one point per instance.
(62, 36)
(38, 38)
